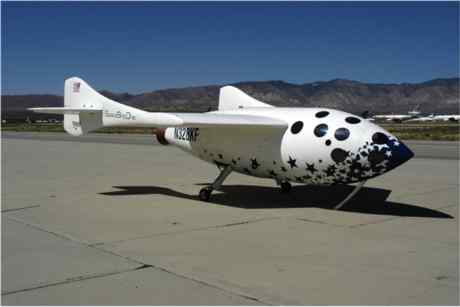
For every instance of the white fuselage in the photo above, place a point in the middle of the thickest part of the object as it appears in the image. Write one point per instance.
(342, 149)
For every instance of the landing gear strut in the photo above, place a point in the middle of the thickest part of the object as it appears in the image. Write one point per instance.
(205, 193)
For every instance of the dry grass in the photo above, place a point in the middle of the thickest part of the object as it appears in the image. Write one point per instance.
(429, 131)
(404, 131)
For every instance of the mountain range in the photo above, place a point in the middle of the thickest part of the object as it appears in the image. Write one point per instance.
(434, 96)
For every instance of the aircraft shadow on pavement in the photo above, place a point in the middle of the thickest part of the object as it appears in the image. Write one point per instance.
(369, 200)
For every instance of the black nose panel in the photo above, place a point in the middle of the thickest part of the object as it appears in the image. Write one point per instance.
(400, 153)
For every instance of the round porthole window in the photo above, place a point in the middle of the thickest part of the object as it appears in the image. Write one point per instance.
(320, 130)
(322, 114)
(352, 120)
(379, 138)
(296, 127)
(342, 134)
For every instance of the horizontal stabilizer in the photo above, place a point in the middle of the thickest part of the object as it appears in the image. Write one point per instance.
(64, 110)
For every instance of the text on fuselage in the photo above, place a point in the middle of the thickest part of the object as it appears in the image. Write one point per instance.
(186, 134)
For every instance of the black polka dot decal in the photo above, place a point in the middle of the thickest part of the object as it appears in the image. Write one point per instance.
(328, 142)
(339, 155)
(352, 120)
(296, 127)
(342, 134)
(320, 130)
(380, 138)
(322, 114)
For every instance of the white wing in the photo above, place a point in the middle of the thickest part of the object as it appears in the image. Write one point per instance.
(86, 110)
(216, 119)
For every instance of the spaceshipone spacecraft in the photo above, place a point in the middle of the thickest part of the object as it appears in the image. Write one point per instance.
(312, 146)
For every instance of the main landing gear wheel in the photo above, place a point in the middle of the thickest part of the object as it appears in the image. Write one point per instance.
(285, 187)
(205, 193)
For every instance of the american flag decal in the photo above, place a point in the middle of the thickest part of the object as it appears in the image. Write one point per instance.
(76, 87)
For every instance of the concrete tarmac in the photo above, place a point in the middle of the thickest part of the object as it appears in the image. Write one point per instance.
(107, 220)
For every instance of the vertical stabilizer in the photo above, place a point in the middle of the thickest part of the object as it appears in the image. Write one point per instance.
(231, 98)
(79, 95)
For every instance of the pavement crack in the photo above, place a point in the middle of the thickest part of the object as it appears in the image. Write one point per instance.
(70, 238)
(375, 222)
(318, 222)
(54, 233)
(205, 283)
(77, 279)
(241, 223)
(184, 231)
(17, 209)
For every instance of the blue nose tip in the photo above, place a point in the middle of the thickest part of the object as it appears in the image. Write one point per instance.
(400, 153)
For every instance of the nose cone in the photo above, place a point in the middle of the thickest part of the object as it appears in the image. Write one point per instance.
(388, 149)
(400, 153)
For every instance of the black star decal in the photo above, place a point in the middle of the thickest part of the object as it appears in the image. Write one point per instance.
(254, 163)
(272, 172)
(298, 178)
(220, 156)
(283, 169)
(291, 162)
(320, 161)
(311, 167)
(233, 161)
(331, 170)
(246, 170)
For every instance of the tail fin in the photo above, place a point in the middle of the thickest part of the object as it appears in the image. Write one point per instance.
(86, 110)
(231, 98)
(78, 95)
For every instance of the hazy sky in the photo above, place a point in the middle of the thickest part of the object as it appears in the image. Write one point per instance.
(136, 47)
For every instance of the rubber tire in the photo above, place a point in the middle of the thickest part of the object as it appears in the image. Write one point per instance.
(205, 194)
(285, 187)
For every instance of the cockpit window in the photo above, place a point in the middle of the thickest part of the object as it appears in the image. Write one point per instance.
(320, 130)
(352, 120)
(296, 127)
(380, 138)
(322, 114)
(342, 134)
